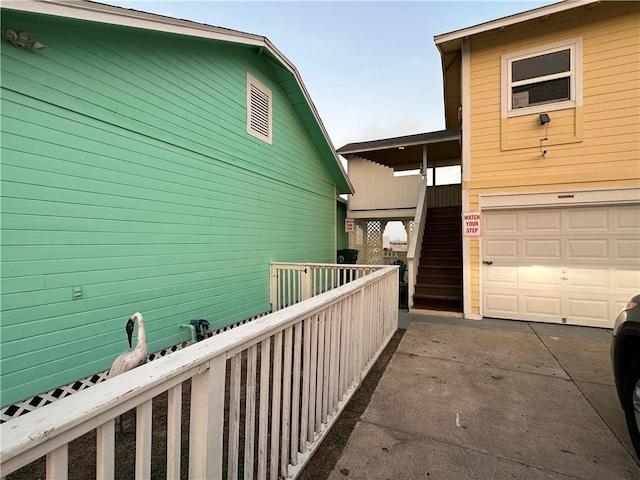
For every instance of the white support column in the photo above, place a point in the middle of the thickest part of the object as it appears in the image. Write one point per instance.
(465, 95)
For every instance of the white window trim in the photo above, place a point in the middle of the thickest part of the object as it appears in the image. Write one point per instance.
(573, 44)
(251, 80)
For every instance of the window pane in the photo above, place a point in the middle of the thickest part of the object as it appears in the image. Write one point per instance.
(550, 91)
(541, 65)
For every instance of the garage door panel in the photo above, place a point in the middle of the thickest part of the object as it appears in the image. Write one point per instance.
(542, 249)
(502, 249)
(501, 223)
(588, 278)
(576, 265)
(626, 220)
(627, 250)
(626, 280)
(502, 304)
(587, 220)
(541, 306)
(538, 276)
(503, 276)
(581, 249)
(587, 307)
(537, 221)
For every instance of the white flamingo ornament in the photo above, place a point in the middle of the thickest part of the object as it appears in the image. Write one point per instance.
(131, 358)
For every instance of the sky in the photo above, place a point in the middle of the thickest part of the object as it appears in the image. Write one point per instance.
(371, 68)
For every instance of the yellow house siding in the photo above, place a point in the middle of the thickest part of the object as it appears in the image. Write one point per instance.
(598, 141)
(606, 129)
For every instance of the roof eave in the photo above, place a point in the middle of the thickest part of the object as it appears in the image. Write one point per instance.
(354, 148)
(98, 12)
(449, 41)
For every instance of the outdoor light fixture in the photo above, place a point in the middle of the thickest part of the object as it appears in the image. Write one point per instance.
(544, 119)
(21, 39)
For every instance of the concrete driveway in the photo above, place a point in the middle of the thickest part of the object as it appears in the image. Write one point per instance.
(492, 399)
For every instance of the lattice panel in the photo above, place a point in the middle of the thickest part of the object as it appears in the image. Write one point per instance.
(373, 247)
(408, 228)
(33, 403)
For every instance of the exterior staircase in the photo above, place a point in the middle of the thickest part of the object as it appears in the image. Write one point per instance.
(439, 281)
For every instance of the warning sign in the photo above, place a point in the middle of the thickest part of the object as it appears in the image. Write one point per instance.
(471, 224)
(349, 225)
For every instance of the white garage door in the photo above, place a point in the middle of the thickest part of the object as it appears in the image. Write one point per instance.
(567, 265)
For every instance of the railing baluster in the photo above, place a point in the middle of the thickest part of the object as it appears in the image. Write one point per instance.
(207, 420)
(331, 339)
(174, 431)
(234, 416)
(295, 393)
(335, 342)
(361, 334)
(275, 404)
(57, 463)
(313, 373)
(320, 374)
(306, 380)
(250, 412)
(343, 348)
(105, 450)
(144, 421)
(327, 363)
(286, 401)
(263, 430)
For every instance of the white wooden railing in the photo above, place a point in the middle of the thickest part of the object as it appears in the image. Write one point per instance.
(415, 242)
(294, 282)
(262, 395)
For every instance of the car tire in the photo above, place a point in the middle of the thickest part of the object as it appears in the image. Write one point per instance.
(631, 392)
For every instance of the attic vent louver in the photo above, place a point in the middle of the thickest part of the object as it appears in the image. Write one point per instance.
(258, 109)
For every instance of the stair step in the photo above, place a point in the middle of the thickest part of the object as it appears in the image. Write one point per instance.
(424, 296)
(440, 305)
(440, 262)
(441, 250)
(440, 291)
(441, 280)
(435, 271)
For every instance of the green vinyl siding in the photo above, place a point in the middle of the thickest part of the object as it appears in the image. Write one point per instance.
(127, 172)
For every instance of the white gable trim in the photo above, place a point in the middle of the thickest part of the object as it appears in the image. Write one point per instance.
(512, 20)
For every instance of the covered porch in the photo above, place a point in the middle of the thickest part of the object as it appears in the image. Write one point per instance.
(402, 179)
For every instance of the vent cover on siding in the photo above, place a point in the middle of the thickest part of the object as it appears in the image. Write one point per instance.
(258, 109)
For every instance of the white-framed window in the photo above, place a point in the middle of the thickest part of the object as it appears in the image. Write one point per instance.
(259, 109)
(541, 79)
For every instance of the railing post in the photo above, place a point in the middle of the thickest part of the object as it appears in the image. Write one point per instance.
(305, 283)
(207, 421)
(273, 288)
